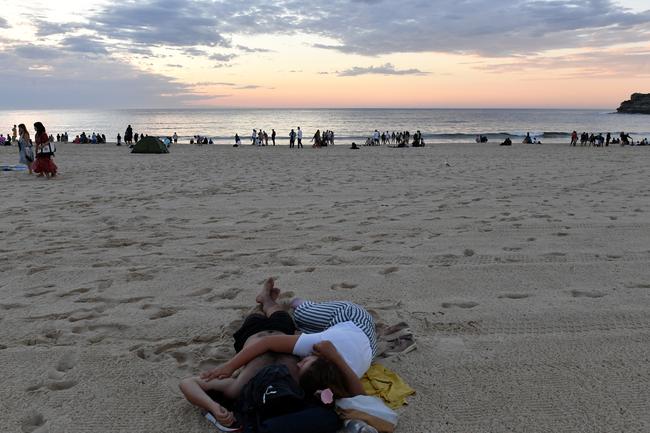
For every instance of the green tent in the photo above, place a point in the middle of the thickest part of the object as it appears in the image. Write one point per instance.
(150, 145)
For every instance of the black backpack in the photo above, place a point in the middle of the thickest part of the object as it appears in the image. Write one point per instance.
(270, 393)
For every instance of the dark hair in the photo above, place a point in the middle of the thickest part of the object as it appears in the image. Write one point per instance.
(323, 374)
(22, 126)
(38, 126)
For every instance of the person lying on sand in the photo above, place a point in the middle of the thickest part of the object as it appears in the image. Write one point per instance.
(347, 326)
(274, 321)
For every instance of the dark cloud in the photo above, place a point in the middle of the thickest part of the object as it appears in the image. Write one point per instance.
(35, 52)
(194, 52)
(4, 24)
(222, 57)
(486, 27)
(214, 83)
(81, 44)
(373, 27)
(252, 50)
(162, 22)
(385, 69)
(46, 80)
(248, 87)
(46, 28)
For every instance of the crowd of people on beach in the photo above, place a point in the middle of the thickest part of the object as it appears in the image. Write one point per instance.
(260, 137)
(600, 140)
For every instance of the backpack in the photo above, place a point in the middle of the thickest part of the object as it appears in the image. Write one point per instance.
(270, 393)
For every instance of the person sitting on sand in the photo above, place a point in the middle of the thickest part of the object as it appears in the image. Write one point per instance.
(258, 327)
(354, 146)
(506, 142)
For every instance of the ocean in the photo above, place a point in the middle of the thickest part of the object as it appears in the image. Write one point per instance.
(436, 125)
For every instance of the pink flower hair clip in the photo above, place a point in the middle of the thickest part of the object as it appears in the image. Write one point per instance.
(326, 396)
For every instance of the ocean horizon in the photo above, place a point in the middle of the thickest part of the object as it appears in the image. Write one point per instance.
(443, 125)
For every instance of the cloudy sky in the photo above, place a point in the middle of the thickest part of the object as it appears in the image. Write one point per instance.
(314, 53)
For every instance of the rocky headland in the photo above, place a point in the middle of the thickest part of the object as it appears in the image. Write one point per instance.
(638, 104)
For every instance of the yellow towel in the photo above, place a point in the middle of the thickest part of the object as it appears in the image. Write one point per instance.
(382, 382)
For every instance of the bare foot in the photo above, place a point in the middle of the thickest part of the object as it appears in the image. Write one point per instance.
(269, 291)
(224, 416)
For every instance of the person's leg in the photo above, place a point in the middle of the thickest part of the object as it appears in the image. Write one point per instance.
(268, 298)
(194, 389)
(311, 317)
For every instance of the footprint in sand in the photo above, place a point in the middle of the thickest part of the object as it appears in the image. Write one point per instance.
(67, 362)
(32, 422)
(37, 294)
(468, 252)
(61, 385)
(464, 305)
(514, 296)
(343, 285)
(638, 285)
(309, 269)
(201, 292)
(78, 291)
(104, 284)
(162, 313)
(139, 276)
(586, 294)
(228, 294)
(11, 306)
(390, 270)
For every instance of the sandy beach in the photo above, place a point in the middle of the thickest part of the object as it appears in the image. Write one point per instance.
(523, 271)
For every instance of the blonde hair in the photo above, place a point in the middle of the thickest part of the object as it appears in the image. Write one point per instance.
(25, 132)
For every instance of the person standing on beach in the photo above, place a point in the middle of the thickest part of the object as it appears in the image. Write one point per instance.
(128, 135)
(299, 136)
(25, 147)
(13, 133)
(175, 138)
(44, 165)
(292, 138)
(119, 139)
(273, 136)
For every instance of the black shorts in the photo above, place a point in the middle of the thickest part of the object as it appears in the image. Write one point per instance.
(279, 321)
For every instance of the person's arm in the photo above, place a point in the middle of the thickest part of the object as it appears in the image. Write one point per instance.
(327, 350)
(271, 343)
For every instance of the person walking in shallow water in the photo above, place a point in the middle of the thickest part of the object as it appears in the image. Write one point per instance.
(43, 165)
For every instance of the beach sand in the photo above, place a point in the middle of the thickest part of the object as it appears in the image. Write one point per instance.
(524, 273)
